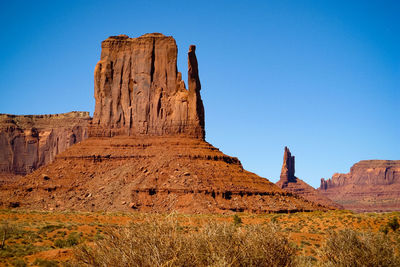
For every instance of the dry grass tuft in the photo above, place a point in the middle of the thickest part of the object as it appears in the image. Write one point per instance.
(166, 243)
(351, 248)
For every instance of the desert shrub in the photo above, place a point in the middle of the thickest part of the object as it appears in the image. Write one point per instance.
(20, 250)
(73, 239)
(45, 263)
(384, 229)
(305, 261)
(254, 245)
(166, 243)
(237, 220)
(350, 248)
(49, 228)
(393, 224)
(141, 244)
(18, 263)
(60, 243)
(6, 231)
(274, 218)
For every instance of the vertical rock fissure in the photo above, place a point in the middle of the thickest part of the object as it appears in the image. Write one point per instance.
(120, 110)
(153, 56)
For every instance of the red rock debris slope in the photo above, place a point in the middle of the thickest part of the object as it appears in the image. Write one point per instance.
(157, 174)
(146, 149)
(289, 182)
(371, 185)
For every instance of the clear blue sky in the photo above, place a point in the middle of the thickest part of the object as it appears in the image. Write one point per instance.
(322, 77)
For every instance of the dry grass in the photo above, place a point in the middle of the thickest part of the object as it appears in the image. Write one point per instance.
(166, 243)
(351, 248)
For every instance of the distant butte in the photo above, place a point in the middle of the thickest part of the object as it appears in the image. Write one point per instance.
(146, 149)
(371, 185)
(289, 182)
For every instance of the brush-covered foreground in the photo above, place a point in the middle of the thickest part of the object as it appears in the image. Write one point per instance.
(334, 238)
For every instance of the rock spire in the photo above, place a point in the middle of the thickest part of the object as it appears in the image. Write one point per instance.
(287, 172)
(139, 91)
(293, 184)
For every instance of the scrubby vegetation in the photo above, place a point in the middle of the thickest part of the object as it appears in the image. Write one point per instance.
(336, 238)
(167, 243)
(351, 248)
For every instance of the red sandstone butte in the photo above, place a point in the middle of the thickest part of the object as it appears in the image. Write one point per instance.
(371, 185)
(139, 91)
(146, 149)
(289, 182)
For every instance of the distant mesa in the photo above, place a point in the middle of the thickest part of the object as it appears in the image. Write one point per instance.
(146, 149)
(289, 182)
(371, 185)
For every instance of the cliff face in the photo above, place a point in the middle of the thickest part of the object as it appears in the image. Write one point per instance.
(139, 91)
(289, 182)
(371, 185)
(28, 142)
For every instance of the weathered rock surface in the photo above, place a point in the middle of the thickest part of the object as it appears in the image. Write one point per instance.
(139, 91)
(30, 141)
(289, 182)
(146, 150)
(371, 185)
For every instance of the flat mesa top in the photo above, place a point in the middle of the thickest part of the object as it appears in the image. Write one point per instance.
(125, 37)
(377, 163)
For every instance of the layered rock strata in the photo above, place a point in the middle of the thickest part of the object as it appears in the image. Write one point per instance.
(150, 174)
(371, 185)
(139, 91)
(30, 141)
(146, 150)
(289, 182)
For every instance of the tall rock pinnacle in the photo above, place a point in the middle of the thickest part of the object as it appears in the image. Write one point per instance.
(287, 172)
(292, 184)
(139, 91)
